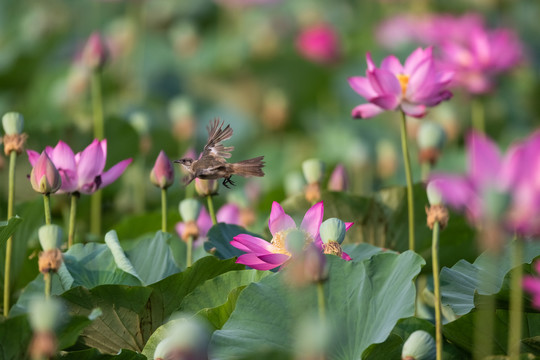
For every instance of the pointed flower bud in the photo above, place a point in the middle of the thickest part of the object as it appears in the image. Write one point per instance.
(313, 170)
(44, 177)
(332, 230)
(433, 194)
(431, 139)
(338, 180)
(13, 123)
(189, 209)
(95, 53)
(45, 314)
(50, 236)
(162, 174)
(206, 187)
(419, 346)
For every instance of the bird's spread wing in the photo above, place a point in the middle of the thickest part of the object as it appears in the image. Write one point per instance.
(216, 134)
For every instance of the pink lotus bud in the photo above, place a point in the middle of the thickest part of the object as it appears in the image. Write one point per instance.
(339, 181)
(44, 177)
(319, 44)
(206, 187)
(95, 53)
(162, 174)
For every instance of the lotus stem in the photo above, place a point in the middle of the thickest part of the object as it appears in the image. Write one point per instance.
(99, 133)
(320, 302)
(211, 209)
(410, 196)
(484, 318)
(189, 256)
(47, 208)
(426, 169)
(516, 302)
(95, 213)
(47, 277)
(437, 289)
(9, 243)
(164, 210)
(478, 115)
(72, 216)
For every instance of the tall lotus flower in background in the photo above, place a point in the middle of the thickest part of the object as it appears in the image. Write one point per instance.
(411, 88)
(264, 255)
(319, 43)
(82, 172)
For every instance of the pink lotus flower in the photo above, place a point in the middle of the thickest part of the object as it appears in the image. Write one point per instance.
(320, 44)
(95, 53)
(162, 174)
(497, 188)
(264, 255)
(228, 214)
(411, 87)
(82, 172)
(44, 177)
(532, 285)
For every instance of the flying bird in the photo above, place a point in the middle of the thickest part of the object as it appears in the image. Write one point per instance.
(212, 164)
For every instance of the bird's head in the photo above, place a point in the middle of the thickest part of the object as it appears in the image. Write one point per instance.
(185, 162)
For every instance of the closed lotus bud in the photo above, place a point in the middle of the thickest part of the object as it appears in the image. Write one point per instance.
(162, 174)
(205, 187)
(333, 230)
(44, 177)
(419, 346)
(338, 180)
(50, 236)
(189, 209)
(45, 314)
(95, 53)
(13, 123)
(313, 170)
(433, 194)
(431, 139)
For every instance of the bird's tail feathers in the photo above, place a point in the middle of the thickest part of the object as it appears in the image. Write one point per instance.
(250, 167)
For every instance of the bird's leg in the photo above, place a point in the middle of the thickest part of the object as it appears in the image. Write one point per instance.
(226, 181)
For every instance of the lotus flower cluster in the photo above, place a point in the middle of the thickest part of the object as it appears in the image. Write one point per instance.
(411, 88)
(264, 255)
(497, 188)
(81, 172)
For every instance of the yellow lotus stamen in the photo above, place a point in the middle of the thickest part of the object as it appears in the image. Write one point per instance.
(279, 241)
(403, 81)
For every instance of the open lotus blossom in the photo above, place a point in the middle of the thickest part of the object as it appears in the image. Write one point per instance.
(228, 214)
(532, 285)
(82, 172)
(495, 187)
(264, 255)
(411, 88)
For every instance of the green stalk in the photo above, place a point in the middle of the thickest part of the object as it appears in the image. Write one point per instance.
(72, 216)
(164, 210)
(189, 256)
(47, 207)
(47, 277)
(99, 133)
(484, 321)
(9, 243)
(426, 169)
(410, 196)
(320, 301)
(437, 289)
(478, 115)
(211, 209)
(516, 302)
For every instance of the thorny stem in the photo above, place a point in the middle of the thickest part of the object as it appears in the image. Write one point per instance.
(211, 209)
(437, 289)
(9, 243)
(516, 302)
(164, 210)
(72, 216)
(47, 208)
(406, 159)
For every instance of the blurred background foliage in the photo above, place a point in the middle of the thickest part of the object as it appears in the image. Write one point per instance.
(175, 65)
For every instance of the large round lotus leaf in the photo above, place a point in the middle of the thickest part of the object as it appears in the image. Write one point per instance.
(363, 300)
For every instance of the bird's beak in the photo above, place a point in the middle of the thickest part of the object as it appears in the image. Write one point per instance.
(177, 161)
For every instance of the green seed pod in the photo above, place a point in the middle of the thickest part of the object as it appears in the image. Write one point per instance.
(13, 123)
(431, 135)
(419, 346)
(189, 209)
(433, 194)
(50, 236)
(45, 314)
(332, 230)
(313, 170)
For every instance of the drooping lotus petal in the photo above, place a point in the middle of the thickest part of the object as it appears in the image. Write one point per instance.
(109, 176)
(254, 262)
(387, 102)
(252, 243)
(366, 111)
(279, 220)
(417, 111)
(276, 259)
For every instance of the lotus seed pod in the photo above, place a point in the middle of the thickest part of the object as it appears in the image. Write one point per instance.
(45, 314)
(189, 209)
(313, 170)
(294, 241)
(431, 135)
(50, 236)
(419, 346)
(332, 230)
(433, 194)
(13, 123)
